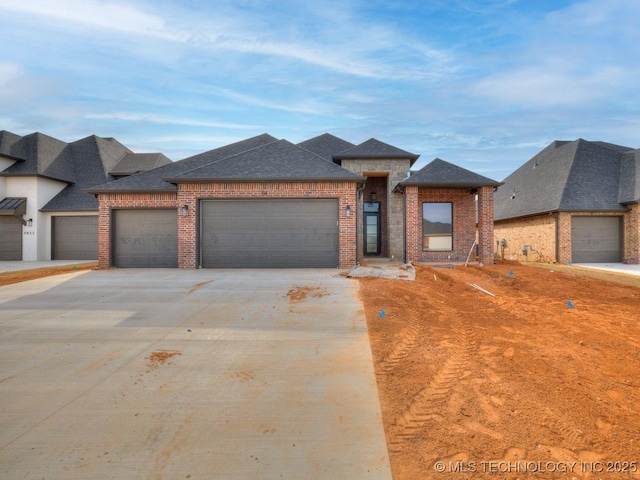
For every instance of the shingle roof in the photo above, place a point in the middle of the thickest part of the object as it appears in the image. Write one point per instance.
(43, 155)
(630, 177)
(326, 145)
(133, 163)
(439, 173)
(7, 139)
(373, 148)
(565, 176)
(152, 180)
(280, 160)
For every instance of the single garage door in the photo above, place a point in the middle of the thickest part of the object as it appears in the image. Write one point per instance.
(596, 239)
(145, 238)
(74, 238)
(280, 233)
(10, 238)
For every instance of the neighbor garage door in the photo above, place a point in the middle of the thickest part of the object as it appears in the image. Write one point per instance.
(74, 238)
(269, 233)
(596, 239)
(10, 238)
(145, 238)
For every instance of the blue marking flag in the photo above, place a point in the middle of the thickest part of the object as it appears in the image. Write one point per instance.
(570, 304)
(511, 273)
(381, 313)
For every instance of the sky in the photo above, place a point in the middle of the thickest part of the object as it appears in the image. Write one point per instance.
(483, 84)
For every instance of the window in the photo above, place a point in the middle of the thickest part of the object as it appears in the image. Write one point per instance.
(437, 227)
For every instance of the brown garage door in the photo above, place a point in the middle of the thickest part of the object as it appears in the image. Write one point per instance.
(10, 238)
(280, 233)
(596, 239)
(145, 238)
(74, 238)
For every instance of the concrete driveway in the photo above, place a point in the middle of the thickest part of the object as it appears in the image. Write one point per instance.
(170, 374)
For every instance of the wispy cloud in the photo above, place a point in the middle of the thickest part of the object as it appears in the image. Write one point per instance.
(165, 120)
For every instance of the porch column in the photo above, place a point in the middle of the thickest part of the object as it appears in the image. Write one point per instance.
(485, 225)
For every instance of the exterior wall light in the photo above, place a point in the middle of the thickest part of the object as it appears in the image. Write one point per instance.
(373, 196)
(347, 210)
(185, 210)
(29, 222)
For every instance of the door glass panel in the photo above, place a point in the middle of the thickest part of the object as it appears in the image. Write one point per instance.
(371, 233)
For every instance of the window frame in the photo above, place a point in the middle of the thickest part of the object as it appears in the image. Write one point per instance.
(424, 235)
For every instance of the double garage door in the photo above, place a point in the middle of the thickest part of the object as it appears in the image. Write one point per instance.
(596, 239)
(277, 233)
(280, 233)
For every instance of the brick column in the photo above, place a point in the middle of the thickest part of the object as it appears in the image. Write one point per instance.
(632, 235)
(485, 225)
(187, 240)
(104, 233)
(414, 224)
(564, 237)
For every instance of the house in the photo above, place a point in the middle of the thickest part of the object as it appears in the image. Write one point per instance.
(44, 211)
(575, 201)
(265, 202)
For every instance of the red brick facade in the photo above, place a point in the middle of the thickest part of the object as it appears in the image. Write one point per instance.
(190, 193)
(464, 223)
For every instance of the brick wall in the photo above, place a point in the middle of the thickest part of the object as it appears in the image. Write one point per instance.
(539, 231)
(464, 227)
(190, 193)
(111, 201)
(485, 224)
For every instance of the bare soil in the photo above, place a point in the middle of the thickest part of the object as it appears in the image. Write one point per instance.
(540, 381)
(7, 278)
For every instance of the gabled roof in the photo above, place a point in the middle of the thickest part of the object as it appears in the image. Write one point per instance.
(326, 145)
(373, 148)
(567, 176)
(153, 180)
(275, 161)
(133, 163)
(441, 174)
(7, 139)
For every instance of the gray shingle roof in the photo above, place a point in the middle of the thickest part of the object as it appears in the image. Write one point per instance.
(441, 174)
(43, 155)
(373, 148)
(630, 178)
(326, 145)
(280, 160)
(7, 139)
(565, 176)
(133, 163)
(153, 180)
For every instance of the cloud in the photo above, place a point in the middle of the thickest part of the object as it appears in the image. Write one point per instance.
(166, 120)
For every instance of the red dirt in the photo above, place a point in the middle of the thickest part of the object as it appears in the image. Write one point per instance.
(160, 358)
(298, 294)
(516, 386)
(8, 278)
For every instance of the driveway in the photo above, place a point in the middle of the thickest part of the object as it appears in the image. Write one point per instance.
(188, 374)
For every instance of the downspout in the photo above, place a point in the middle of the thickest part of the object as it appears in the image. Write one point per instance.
(359, 191)
(404, 226)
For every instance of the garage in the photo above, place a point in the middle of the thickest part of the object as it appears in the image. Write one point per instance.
(596, 239)
(269, 233)
(74, 238)
(10, 238)
(145, 238)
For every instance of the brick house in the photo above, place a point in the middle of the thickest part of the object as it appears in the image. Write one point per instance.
(574, 201)
(263, 202)
(45, 214)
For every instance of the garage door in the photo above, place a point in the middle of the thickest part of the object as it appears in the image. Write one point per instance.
(10, 238)
(596, 239)
(74, 238)
(269, 233)
(145, 238)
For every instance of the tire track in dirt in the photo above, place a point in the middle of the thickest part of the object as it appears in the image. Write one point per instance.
(428, 402)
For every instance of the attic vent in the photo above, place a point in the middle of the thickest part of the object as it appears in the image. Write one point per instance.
(513, 195)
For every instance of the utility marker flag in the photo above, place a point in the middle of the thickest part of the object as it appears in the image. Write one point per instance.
(381, 313)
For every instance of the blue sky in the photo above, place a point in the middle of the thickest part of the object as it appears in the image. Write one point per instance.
(482, 84)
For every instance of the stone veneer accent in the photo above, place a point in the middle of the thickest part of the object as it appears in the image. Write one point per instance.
(191, 193)
(395, 171)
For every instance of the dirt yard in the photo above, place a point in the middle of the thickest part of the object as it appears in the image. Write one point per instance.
(540, 381)
(7, 278)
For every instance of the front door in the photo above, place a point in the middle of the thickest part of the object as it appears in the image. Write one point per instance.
(372, 228)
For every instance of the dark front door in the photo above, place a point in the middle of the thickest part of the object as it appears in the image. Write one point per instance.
(372, 228)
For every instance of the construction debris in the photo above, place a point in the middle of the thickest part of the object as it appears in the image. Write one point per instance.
(477, 287)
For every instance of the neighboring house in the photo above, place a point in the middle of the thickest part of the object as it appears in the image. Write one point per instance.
(44, 212)
(264, 202)
(574, 201)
